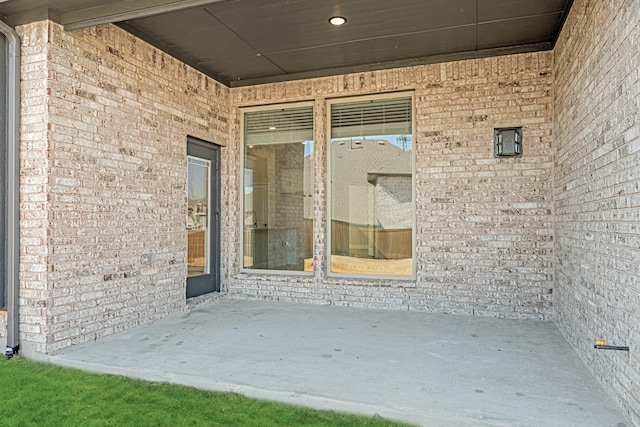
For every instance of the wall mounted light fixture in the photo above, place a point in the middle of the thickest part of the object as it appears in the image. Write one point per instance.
(507, 142)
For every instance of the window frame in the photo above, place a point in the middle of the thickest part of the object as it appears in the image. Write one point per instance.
(328, 179)
(243, 111)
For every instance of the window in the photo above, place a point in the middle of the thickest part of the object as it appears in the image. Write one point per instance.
(371, 203)
(278, 189)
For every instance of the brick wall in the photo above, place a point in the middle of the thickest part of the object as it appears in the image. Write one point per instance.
(484, 226)
(105, 118)
(597, 191)
(33, 180)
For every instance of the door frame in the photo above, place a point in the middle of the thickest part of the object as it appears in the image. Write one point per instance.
(208, 283)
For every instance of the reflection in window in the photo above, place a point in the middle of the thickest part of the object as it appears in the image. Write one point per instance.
(198, 178)
(278, 189)
(371, 169)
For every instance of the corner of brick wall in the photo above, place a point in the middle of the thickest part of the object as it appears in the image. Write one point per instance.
(597, 192)
(34, 176)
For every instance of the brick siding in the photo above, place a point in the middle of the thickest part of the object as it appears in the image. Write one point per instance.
(597, 191)
(105, 119)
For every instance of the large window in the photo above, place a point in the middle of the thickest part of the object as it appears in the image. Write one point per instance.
(278, 189)
(371, 186)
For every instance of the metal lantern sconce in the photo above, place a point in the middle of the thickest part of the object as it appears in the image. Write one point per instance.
(507, 142)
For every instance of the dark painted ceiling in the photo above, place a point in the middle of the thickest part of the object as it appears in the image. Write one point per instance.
(242, 42)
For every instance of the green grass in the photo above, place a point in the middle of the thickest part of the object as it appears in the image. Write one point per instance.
(40, 394)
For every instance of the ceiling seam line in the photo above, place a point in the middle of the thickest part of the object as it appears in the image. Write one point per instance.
(73, 20)
(521, 17)
(371, 39)
(476, 26)
(263, 55)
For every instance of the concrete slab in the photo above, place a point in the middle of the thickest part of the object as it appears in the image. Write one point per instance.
(429, 369)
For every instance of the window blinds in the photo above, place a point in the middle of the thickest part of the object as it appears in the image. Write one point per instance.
(371, 118)
(278, 126)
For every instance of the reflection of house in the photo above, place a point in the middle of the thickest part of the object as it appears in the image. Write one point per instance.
(392, 199)
(199, 207)
(371, 200)
(197, 214)
(368, 172)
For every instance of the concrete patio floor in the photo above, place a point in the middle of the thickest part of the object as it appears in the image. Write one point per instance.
(428, 369)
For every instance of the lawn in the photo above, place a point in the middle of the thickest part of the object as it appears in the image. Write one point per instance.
(40, 394)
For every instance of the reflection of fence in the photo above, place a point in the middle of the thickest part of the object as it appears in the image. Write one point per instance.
(346, 239)
(370, 242)
(196, 246)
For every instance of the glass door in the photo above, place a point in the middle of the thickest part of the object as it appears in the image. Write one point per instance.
(203, 218)
(199, 200)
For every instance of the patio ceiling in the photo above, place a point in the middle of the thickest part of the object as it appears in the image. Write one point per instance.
(244, 42)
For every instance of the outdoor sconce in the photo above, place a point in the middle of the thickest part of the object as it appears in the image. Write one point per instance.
(507, 142)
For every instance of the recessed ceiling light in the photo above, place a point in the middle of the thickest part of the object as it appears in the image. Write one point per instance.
(337, 20)
(272, 128)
